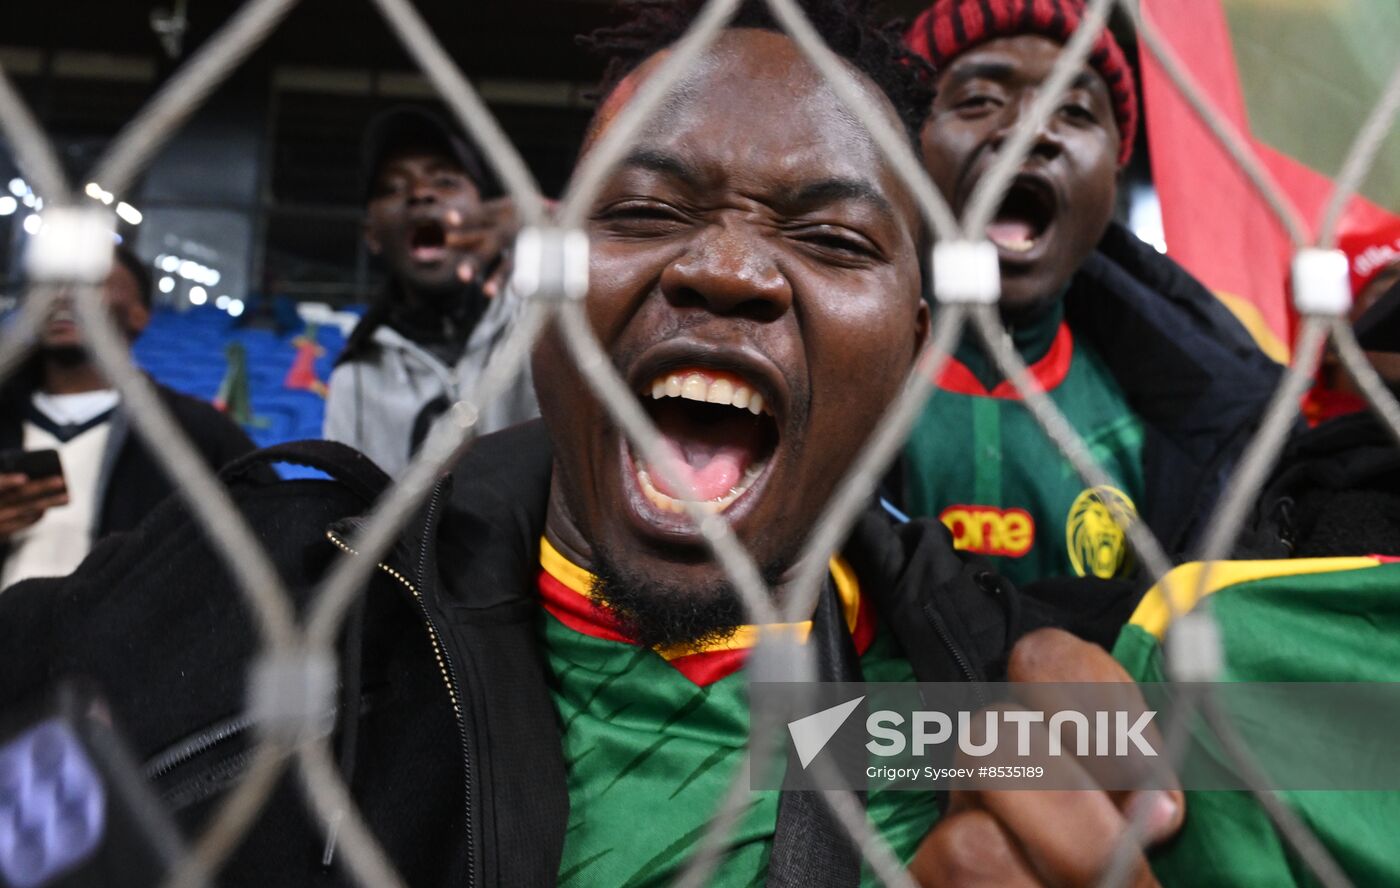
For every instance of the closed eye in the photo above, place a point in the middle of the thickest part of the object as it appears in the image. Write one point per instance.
(641, 218)
(838, 243)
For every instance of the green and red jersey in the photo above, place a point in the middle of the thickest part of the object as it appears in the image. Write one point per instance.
(653, 738)
(978, 461)
(1306, 619)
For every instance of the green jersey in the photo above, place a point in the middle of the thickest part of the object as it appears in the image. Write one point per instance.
(978, 461)
(1306, 619)
(653, 738)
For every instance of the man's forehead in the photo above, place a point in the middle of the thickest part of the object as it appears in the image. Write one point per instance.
(1015, 58)
(749, 68)
(754, 103)
(800, 172)
(434, 157)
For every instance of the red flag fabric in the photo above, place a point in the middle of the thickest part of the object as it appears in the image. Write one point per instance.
(1250, 58)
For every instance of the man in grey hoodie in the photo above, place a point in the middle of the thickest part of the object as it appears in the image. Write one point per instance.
(433, 218)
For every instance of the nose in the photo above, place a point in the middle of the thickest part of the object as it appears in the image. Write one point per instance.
(421, 190)
(1045, 145)
(726, 270)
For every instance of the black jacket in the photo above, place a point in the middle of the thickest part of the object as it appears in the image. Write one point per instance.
(135, 482)
(1335, 492)
(1188, 368)
(447, 733)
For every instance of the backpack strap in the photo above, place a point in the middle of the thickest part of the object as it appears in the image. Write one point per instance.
(343, 463)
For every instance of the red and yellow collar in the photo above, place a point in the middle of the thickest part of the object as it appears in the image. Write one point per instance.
(566, 592)
(1049, 371)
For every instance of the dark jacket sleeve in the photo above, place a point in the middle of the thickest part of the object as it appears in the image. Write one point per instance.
(955, 617)
(139, 481)
(1188, 368)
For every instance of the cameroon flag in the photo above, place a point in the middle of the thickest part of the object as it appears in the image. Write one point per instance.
(1297, 78)
(1288, 620)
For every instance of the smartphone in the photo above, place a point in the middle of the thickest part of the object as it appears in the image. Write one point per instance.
(33, 463)
(74, 809)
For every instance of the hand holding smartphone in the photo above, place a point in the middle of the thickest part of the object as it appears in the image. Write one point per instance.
(31, 483)
(33, 464)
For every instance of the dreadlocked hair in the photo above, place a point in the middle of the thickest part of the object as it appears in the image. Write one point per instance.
(849, 28)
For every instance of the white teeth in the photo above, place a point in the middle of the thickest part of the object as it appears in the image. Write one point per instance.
(1018, 245)
(693, 386)
(721, 391)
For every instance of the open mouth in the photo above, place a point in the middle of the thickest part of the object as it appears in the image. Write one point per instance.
(427, 242)
(719, 431)
(61, 317)
(1024, 218)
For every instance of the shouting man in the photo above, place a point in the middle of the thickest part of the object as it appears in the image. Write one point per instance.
(428, 336)
(545, 683)
(1156, 376)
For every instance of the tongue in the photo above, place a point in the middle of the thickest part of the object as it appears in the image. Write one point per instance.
(1010, 231)
(711, 470)
(710, 446)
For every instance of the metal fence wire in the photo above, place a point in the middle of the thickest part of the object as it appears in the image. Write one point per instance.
(293, 680)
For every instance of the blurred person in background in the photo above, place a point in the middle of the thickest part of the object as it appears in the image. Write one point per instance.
(1373, 258)
(1157, 377)
(61, 401)
(429, 335)
(1336, 489)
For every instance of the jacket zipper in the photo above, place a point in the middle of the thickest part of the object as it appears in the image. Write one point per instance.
(445, 668)
(190, 748)
(956, 651)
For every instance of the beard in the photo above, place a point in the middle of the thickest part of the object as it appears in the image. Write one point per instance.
(65, 355)
(656, 615)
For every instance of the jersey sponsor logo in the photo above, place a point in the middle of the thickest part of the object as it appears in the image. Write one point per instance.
(1096, 542)
(988, 530)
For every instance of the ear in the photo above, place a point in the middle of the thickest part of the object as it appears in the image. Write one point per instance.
(371, 242)
(921, 326)
(926, 132)
(136, 320)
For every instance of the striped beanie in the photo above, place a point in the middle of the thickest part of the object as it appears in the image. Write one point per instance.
(949, 28)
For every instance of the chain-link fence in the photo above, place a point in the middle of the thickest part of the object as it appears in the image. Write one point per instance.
(293, 679)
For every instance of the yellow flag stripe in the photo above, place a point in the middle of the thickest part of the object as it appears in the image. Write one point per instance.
(1184, 582)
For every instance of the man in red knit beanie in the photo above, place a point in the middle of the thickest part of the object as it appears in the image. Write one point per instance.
(1154, 373)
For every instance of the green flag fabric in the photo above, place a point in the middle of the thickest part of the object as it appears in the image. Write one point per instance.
(1302, 620)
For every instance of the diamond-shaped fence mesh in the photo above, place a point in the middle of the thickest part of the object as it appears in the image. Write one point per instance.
(292, 695)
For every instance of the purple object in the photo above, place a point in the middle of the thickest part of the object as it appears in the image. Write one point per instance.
(52, 805)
